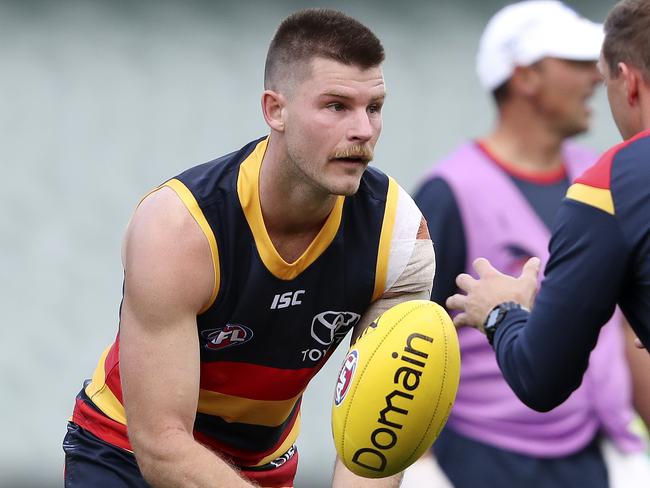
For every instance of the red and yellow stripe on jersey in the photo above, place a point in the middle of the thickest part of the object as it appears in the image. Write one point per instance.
(594, 186)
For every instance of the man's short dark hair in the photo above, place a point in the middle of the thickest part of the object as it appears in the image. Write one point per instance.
(501, 93)
(627, 36)
(325, 33)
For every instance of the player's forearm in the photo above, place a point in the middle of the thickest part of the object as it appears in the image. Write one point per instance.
(639, 364)
(178, 461)
(543, 356)
(344, 478)
(541, 379)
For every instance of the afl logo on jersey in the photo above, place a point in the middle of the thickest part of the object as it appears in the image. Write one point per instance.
(346, 376)
(230, 335)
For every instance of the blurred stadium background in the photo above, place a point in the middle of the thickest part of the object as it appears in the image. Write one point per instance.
(103, 100)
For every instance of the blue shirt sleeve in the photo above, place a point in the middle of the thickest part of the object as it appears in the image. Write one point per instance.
(543, 355)
(438, 205)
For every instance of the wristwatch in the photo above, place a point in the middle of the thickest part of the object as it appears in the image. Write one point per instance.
(496, 316)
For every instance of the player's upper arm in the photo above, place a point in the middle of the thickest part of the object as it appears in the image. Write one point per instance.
(410, 263)
(168, 279)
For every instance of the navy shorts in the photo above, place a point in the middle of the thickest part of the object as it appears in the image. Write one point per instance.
(91, 462)
(472, 464)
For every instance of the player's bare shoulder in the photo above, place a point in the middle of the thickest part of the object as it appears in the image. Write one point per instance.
(165, 251)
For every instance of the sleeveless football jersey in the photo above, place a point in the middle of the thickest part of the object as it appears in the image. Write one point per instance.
(270, 325)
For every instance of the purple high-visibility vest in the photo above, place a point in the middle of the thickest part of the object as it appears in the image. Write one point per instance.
(499, 223)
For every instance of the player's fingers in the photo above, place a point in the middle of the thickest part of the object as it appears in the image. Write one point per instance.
(465, 282)
(531, 269)
(483, 267)
(460, 320)
(456, 302)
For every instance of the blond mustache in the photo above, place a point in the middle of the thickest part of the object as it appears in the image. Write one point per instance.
(354, 152)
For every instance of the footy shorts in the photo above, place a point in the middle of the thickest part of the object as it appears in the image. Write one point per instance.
(90, 461)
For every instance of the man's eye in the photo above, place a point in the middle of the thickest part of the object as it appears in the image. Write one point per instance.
(336, 107)
(373, 109)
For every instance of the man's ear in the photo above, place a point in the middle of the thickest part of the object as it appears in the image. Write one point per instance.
(525, 80)
(273, 104)
(631, 82)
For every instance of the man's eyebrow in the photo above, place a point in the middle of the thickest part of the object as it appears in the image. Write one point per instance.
(335, 94)
(348, 97)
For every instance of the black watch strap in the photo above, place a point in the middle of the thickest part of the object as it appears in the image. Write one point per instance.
(496, 316)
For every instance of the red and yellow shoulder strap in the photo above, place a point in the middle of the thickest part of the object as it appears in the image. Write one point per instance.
(594, 186)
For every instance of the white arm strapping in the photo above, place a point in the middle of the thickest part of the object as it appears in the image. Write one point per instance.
(414, 283)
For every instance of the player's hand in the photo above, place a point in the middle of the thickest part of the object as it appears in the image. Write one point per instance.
(491, 289)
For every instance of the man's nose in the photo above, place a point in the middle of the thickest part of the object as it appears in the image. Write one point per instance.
(361, 127)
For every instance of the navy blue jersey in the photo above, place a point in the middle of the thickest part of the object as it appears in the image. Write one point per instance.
(600, 257)
(270, 325)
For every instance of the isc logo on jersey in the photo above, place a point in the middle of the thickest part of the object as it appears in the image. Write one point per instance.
(288, 299)
(230, 335)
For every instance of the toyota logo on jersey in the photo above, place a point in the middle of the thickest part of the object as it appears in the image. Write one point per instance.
(329, 327)
(230, 335)
(345, 376)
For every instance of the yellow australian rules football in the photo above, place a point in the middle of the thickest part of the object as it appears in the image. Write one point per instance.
(395, 389)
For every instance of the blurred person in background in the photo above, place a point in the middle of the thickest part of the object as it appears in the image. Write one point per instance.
(243, 274)
(497, 197)
(599, 250)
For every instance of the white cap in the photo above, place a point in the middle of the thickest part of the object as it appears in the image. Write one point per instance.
(523, 33)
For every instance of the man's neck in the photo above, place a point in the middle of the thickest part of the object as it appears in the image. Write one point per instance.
(293, 211)
(644, 104)
(289, 203)
(526, 145)
(645, 112)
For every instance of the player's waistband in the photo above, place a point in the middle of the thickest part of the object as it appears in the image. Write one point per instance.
(276, 463)
(276, 474)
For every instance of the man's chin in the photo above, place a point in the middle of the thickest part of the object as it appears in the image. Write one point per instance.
(345, 183)
(575, 129)
(346, 189)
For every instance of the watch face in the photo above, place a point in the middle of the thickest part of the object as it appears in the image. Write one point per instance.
(493, 317)
(496, 316)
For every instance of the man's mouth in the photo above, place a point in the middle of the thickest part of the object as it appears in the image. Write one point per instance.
(352, 159)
